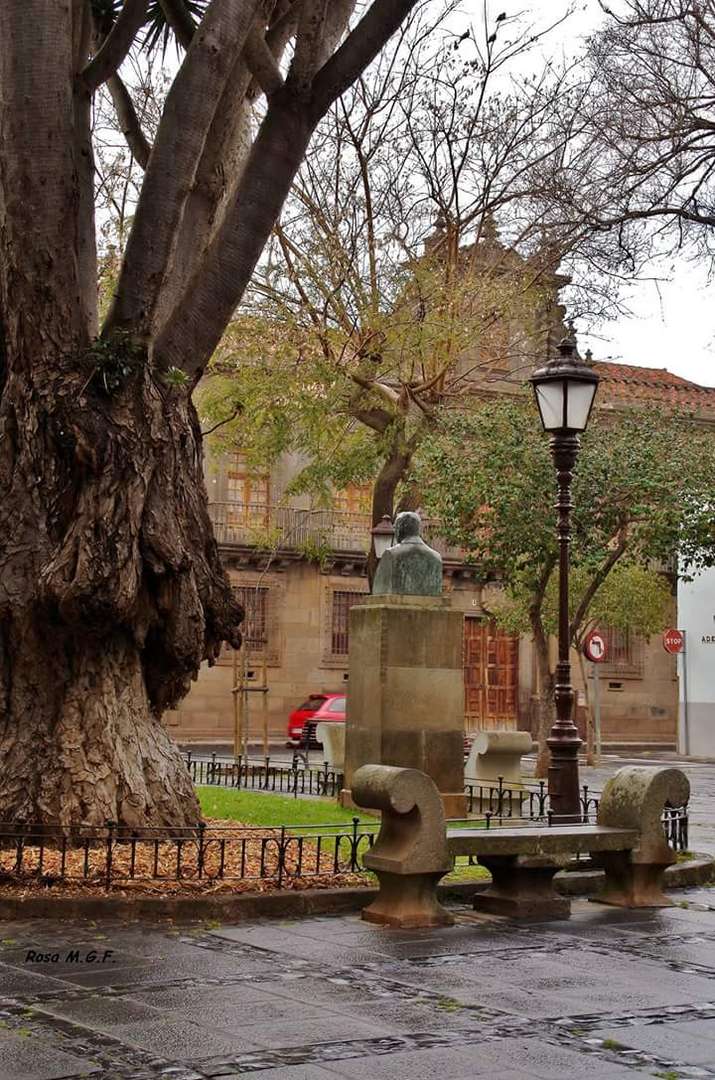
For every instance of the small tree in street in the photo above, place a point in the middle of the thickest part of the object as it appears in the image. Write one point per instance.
(631, 599)
(111, 588)
(644, 490)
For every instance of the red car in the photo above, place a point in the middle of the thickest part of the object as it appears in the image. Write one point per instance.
(317, 709)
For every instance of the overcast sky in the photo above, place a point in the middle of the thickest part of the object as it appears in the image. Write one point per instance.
(673, 323)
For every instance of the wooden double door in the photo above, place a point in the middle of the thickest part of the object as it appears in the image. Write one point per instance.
(491, 674)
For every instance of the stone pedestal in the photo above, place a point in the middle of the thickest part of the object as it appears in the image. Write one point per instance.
(406, 692)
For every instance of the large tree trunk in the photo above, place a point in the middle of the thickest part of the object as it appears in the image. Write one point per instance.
(112, 596)
(111, 589)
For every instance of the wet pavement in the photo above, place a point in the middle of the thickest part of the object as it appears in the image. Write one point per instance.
(606, 995)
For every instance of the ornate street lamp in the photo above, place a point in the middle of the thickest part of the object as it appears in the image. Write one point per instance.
(565, 389)
(382, 536)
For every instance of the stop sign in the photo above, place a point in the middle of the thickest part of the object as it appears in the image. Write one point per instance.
(595, 647)
(673, 640)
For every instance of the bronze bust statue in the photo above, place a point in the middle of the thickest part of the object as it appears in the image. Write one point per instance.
(411, 567)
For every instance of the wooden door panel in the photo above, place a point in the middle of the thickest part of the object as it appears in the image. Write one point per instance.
(490, 676)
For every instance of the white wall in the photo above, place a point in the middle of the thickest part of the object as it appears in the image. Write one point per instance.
(696, 616)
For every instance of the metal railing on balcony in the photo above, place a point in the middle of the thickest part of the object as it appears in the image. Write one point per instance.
(289, 528)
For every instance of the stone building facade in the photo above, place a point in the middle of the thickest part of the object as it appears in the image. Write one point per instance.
(298, 570)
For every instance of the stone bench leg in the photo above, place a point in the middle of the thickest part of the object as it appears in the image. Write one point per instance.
(522, 888)
(408, 900)
(630, 883)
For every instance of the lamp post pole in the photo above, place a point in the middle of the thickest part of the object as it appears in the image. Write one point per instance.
(564, 741)
(565, 389)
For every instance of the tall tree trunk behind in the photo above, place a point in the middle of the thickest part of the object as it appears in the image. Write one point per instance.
(393, 470)
(545, 706)
(111, 588)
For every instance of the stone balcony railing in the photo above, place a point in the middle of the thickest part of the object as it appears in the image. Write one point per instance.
(287, 528)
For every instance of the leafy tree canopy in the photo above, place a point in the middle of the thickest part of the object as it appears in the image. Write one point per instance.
(644, 489)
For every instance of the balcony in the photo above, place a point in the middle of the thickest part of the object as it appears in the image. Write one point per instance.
(286, 528)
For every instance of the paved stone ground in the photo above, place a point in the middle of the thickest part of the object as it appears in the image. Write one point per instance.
(607, 995)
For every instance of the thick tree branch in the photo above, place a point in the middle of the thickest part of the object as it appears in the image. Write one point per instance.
(306, 58)
(218, 174)
(82, 30)
(376, 419)
(262, 63)
(116, 45)
(129, 123)
(187, 117)
(336, 21)
(211, 296)
(361, 47)
(203, 312)
(38, 177)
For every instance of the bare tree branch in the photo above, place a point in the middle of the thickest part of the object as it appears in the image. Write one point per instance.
(129, 124)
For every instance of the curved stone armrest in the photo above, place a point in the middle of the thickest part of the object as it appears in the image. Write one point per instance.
(635, 797)
(412, 837)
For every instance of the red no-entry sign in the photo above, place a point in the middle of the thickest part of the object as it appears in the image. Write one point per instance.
(673, 640)
(594, 647)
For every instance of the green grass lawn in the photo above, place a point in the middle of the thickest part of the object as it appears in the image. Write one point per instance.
(255, 808)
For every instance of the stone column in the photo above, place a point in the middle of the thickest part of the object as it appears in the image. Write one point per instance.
(406, 692)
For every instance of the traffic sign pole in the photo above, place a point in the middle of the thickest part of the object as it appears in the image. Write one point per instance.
(596, 711)
(686, 731)
(675, 643)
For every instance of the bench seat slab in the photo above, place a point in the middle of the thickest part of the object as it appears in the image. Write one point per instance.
(540, 840)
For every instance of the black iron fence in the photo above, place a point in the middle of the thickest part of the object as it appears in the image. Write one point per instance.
(497, 801)
(204, 856)
(247, 857)
(297, 778)
(493, 800)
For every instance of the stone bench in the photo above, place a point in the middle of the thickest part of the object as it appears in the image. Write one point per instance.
(495, 755)
(414, 849)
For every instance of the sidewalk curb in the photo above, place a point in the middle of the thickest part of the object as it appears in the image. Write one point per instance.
(293, 903)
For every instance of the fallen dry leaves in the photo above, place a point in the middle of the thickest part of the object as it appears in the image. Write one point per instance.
(230, 859)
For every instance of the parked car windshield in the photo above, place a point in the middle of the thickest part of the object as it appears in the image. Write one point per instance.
(312, 703)
(336, 705)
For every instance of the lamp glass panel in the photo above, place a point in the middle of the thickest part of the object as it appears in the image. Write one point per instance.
(382, 542)
(550, 399)
(580, 399)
